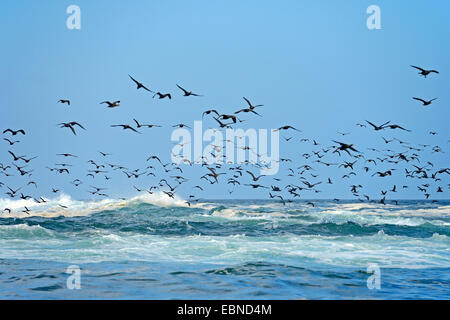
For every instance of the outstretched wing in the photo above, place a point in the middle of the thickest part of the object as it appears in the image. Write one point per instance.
(77, 124)
(371, 124)
(418, 68)
(134, 80)
(182, 89)
(418, 99)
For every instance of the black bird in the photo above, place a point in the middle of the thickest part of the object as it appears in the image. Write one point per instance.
(396, 126)
(181, 125)
(71, 126)
(64, 101)
(66, 155)
(286, 128)
(125, 127)
(247, 110)
(105, 154)
(188, 93)
(425, 103)
(16, 158)
(140, 85)
(378, 128)
(255, 179)
(162, 95)
(11, 143)
(113, 104)
(344, 147)
(424, 72)
(145, 125)
(209, 112)
(250, 105)
(14, 132)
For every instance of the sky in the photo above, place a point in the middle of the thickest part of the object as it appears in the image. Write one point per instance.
(313, 64)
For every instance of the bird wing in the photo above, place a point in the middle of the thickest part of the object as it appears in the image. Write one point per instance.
(182, 89)
(250, 173)
(248, 102)
(146, 88)
(384, 124)
(419, 99)
(77, 124)
(134, 80)
(371, 124)
(418, 68)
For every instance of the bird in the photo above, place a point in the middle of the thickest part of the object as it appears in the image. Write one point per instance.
(64, 101)
(207, 112)
(11, 143)
(247, 110)
(125, 127)
(140, 85)
(162, 95)
(145, 125)
(16, 158)
(188, 93)
(424, 72)
(14, 132)
(424, 102)
(396, 126)
(287, 128)
(181, 125)
(71, 126)
(66, 155)
(105, 154)
(113, 104)
(255, 179)
(250, 105)
(221, 124)
(344, 147)
(378, 128)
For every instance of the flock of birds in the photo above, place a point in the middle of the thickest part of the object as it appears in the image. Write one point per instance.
(169, 176)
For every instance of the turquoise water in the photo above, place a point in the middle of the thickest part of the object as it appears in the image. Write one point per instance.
(149, 248)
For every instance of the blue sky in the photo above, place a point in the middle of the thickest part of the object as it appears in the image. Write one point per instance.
(313, 64)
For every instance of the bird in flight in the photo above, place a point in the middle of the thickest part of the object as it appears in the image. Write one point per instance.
(255, 179)
(140, 85)
(145, 125)
(162, 95)
(344, 147)
(64, 101)
(11, 143)
(188, 93)
(181, 125)
(250, 104)
(125, 127)
(110, 104)
(286, 128)
(378, 128)
(14, 132)
(425, 103)
(66, 155)
(207, 112)
(105, 154)
(424, 72)
(71, 126)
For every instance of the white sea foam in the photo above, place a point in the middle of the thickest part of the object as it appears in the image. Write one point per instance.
(52, 208)
(342, 251)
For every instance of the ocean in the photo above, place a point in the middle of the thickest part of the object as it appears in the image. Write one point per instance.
(151, 247)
